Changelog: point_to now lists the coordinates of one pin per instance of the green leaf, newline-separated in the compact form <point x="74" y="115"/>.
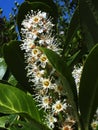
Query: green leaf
<point x="73" y="58"/>
<point x="3" y="68"/>
<point x="3" y="120"/>
<point x="88" y="96"/>
<point x="14" y="58"/>
<point x="73" y="27"/>
<point x="49" y="3"/>
<point x="13" y="100"/>
<point x="66" y="76"/>
<point x="21" y="125"/>
<point x="89" y="21"/>
<point x="12" y="122"/>
<point x="26" y="7"/>
<point x="6" y="121"/>
<point x="12" y="80"/>
<point x="97" y="127"/>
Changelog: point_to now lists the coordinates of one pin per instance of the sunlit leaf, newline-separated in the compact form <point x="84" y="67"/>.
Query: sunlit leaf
<point x="21" y="125"/>
<point x="12" y="80"/>
<point x="3" y="68"/>
<point x="3" y="120"/>
<point x="7" y="120"/>
<point x="13" y="100"/>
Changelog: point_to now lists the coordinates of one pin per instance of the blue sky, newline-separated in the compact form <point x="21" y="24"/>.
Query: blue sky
<point x="7" y="6"/>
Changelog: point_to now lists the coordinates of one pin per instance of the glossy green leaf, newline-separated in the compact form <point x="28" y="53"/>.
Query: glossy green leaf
<point x="89" y="21"/>
<point x="13" y="100"/>
<point x="73" y="27"/>
<point x="7" y="120"/>
<point x="14" y="58"/>
<point x="26" y="7"/>
<point x="66" y="77"/>
<point x="3" y="120"/>
<point x="21" y="125"/>
<point x="12" y="80"/>
<point x="88" y="96"/>
<point x="97" y="127"/>
<point x="72" y="60"/>
<point x="12" y="122"/>
<point x="49" y="3"/>
<point x="3" y="68"/>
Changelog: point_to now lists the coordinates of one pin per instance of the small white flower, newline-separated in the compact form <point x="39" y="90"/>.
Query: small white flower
<point x="46" y="83"/>
<point x="26" y="24"/>
<point x="50" y="120"/>
<point x="28" y="45"/>
<point x="39" y="73"/>
<point x="58" y="88"/>
<point x="36" y="53"/>
<point x="59" y="106"/>
<point x="31" y="68"/>
<point x="66" y="127"/>
<point x="44" y="102"/>
<point x="54" y="46"/>
<point x="42" y="84"/>
<point x="43" y="59"/>
<point x="34" y="32"/>
<point x="94" y="124"/>
<point x="37" y="76"/>
<point x="42" y="15"/>
<point x="35" y="20"/>
<point x="39" y="94"/>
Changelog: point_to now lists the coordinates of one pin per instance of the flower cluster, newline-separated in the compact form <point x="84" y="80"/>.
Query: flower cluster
<point x="76" y="73"/>
<point x="37" y="31"/>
